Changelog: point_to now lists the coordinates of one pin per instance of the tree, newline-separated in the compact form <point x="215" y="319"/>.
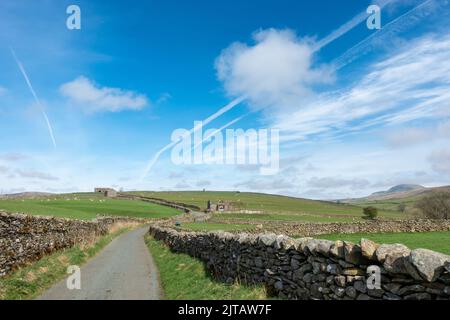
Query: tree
<point x="370" y="212"/>
<point x="435" y="206"/>
<point x="402" y="207"/>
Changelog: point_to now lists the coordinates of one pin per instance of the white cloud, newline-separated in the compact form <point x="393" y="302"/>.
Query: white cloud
<point x="203" y="183"/>
<point x="4" y="169"/>
<point x="163" y="98"/>
<point x="182" y="185"/>
<point x="266" y="184"/>
<point x="337" y="182"/>
<point x="33" y="174"/>
<point x="412" y="84"/>
<point x="176" y="175"/>
<point x="443" y="129"/>
<point x="13" y="157"/>
<point x="440" y="161"/>
<point x="276" y="70"/>
<point x="2" y="90"/>
<point x="94" y="98"/>
<point x="408" y="136"/>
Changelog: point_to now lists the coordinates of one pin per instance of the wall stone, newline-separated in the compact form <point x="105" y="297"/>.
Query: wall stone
<point x="309" y="268"/>
<point x="25" y="239"/>
<point x="163" y="202"/>
<point x="306" y="229"/>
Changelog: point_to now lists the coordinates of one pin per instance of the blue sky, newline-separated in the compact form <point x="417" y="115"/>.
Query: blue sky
<point x="368" y="110"/>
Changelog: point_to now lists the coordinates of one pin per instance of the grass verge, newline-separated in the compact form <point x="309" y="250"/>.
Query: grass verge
<point x="30" y="281"/>
<point x="436" y="241"/>
<point x="184" y="278"/>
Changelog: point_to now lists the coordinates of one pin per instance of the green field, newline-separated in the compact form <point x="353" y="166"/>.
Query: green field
<point x="437" y="241"/>
<point x="269" y="207"/>
<point x="272" y="207"/>
<point x="86" y="207"/>
<point x="185" y="278"/>
<point x="206" y="226"/>
<point x="391" y="204"/>
<point x="285" y="217"/>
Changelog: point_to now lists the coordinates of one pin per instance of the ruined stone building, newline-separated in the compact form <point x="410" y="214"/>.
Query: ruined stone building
<point x="221" y="206"/>
<point x="107" y="192"/>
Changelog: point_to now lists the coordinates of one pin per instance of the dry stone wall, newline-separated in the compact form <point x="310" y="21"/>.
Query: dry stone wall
<point x="25" y="239"/>
<point x="315" y="269"/>
<point x="306" y="229"/>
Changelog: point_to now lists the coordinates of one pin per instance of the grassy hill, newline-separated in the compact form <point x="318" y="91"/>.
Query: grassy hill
<point x="271" y="207"/>
<point x="85" y="206"/>
<point x="268" y="207"/>
<point x="392" y="201"/>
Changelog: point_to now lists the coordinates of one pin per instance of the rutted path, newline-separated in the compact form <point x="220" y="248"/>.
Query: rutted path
<point x="124" y="270"/>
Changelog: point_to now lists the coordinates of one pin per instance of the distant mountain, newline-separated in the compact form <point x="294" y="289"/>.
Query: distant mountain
<point x="399" y="188"/>
<point x="25" y="195"/>
<point x="401" y="193"/>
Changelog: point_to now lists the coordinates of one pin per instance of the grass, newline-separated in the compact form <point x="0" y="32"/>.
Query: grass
<point x="436" y="241"/>
<point x="285" y="217"/>
<point x="391" y="204"/>
<point x="31" y="281"/>
<point x="184" y="278"/>
<point x="206" y="226"/>
<point x="86" y="207"/>
<point x="274" y="207"/>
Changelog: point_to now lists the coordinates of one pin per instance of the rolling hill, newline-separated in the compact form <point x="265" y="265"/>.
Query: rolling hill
<point x="25" y="195"/>
<point x="267" y="206"/>
<point x="391" y="199"/>
<point x="247" y="206"/>
<point x="84" y="206"/>
<point x="397" y="191"/>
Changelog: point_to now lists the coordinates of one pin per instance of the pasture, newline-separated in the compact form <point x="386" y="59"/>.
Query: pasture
<point x="271" y="207"/>
<point x="86" y="207"/>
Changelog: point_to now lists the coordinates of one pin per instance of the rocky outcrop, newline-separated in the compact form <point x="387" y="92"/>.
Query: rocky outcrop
<point x="25" y="239"/>
<point x="309" y="268"/>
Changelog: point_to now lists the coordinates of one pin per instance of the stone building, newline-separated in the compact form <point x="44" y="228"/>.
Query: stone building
<point x="221" y="206"/>
<point x="107" y="192"/>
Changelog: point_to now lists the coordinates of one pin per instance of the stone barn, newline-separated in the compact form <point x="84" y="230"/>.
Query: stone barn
<point x="221" y="206"/>
<point x="107" y="192"/>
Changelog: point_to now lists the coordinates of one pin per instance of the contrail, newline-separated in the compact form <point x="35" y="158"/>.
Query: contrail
<point x="349" y="25"/>
<point x="228" y="107"/>
<point x="220" y="129"/>
<point x="353" y="53"/>
<point x="211" y="118"/>
<point x="36" y="98"/>
<point x="342" y="30"/>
